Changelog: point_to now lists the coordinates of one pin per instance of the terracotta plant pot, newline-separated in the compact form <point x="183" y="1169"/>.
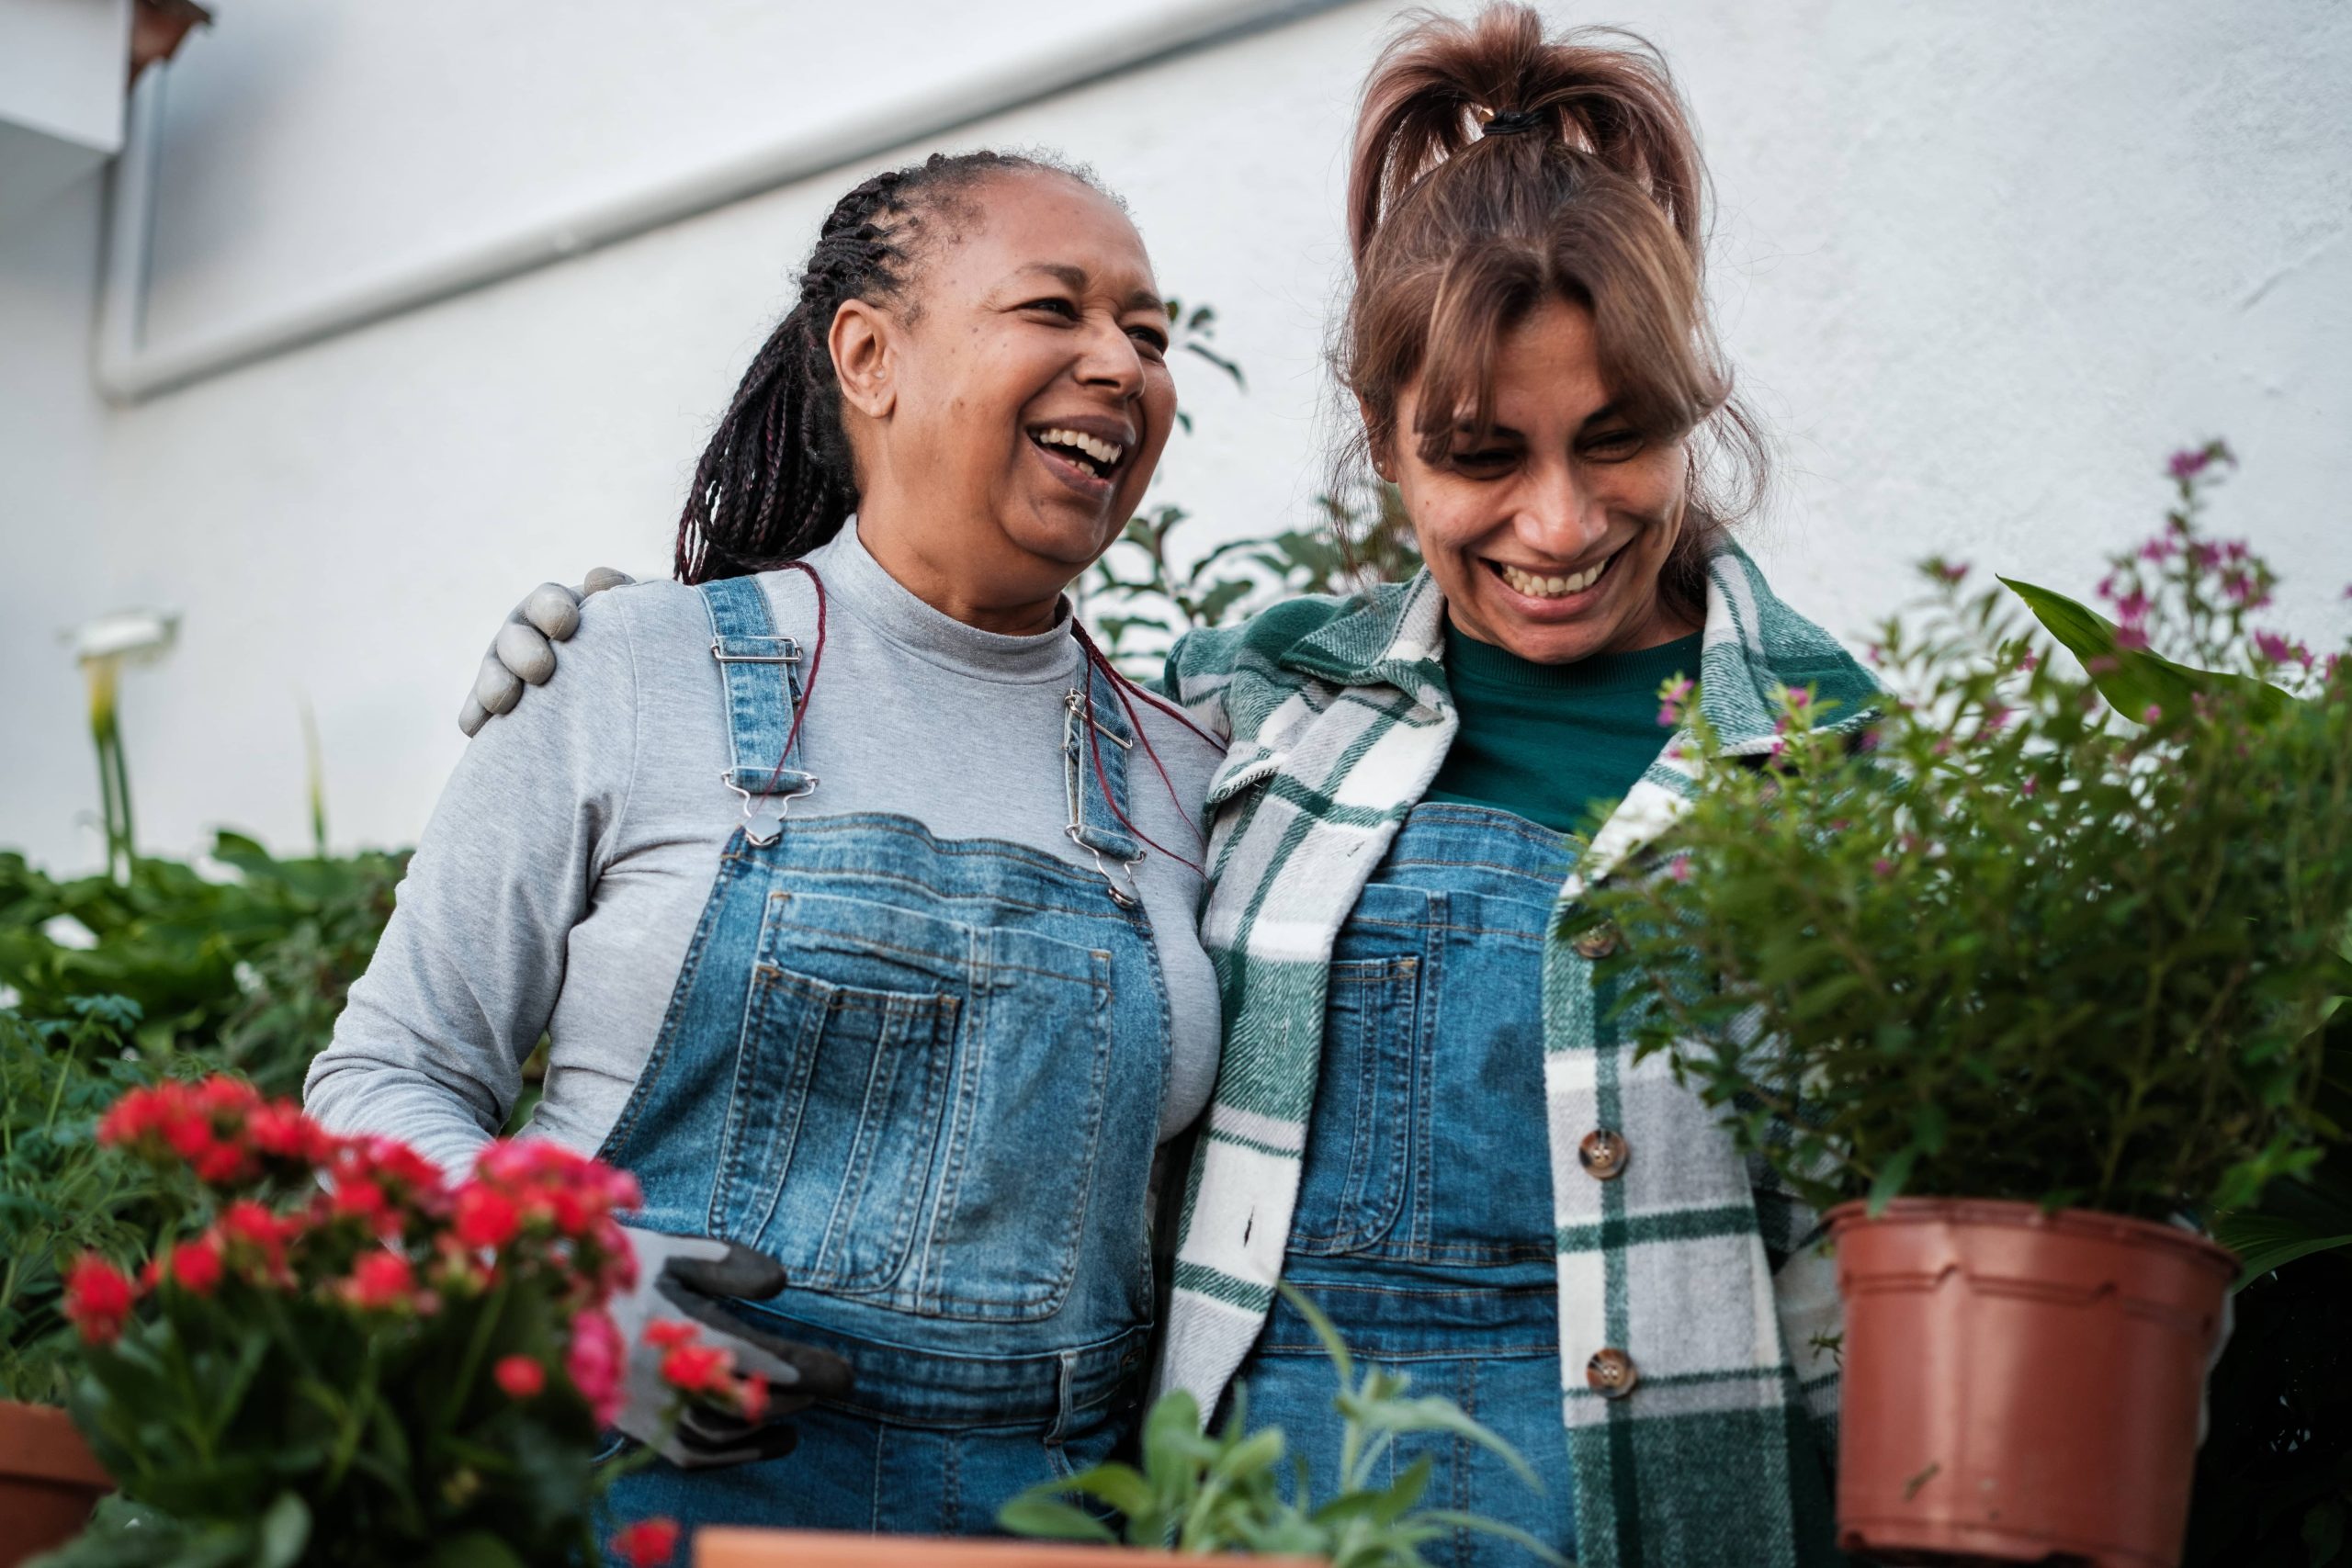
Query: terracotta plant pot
<point x="49" y="1483"/>
<point x="2018" y="1386"/>
<point x="820" y="1549"/>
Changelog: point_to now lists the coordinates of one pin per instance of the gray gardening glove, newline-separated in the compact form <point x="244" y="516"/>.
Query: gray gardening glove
<point x="524" y="647"/>
<point x="692" y="1277"/>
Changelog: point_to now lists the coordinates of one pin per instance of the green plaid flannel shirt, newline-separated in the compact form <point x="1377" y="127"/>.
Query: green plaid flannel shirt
<point x="1691" y="1262"/>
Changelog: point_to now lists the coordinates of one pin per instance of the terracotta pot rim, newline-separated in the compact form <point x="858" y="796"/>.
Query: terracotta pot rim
<point x="2086" y="1225"/>
<point x="39" y="1442"/>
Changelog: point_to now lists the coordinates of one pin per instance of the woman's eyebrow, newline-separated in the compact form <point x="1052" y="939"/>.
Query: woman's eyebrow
<point x="1076" y="278"/>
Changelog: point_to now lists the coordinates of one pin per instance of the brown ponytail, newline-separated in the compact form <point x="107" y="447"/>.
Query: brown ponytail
<point x="1591" y="189"/>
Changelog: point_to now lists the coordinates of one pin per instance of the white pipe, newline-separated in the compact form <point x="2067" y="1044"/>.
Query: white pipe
<point x="128" y="370"/>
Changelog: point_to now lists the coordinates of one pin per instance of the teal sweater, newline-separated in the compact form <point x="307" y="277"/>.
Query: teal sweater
<point x="1550" y="741"/>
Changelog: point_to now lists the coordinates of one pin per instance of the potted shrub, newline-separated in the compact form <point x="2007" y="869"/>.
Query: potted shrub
<point x="333" y="1357"/>
<point x="60" y="1194"/>
<point x="2022" y="983"/>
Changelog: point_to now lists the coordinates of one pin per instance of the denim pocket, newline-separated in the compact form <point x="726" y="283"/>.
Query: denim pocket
<point x="916" y="1108"/>
<point x="839" y="1094"/>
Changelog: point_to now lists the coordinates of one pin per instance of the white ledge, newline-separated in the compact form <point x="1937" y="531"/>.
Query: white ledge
<point x="128" y="370"/>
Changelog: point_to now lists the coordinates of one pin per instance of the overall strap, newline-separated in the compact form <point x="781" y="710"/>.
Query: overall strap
<point x="1094" y="767"/>
<point x="761" y="673"/>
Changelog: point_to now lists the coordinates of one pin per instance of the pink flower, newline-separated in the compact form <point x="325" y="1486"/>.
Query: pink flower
<point x="2277" y="649"/>
<point x="2030" y="662"/>
<point x="2132" y="637"/>
<point x="1950" y="572"/>
<point x="648" y="1543"/>
<point x="1799" y="696"/>
<point x="2160" y="549"/>
<point x="2153" y="714"/>
<point x="1882" y="866"/>
<point x="594" y="1362"/>
<point x="520" y="1376"/>
<point x="1668" y="716"/>
<point x="2186" y="463"/>
<point x="2132" y="606"/>
<point x="97" y="1299"/>
<point x="1680" y="870"/>
<point x="2032" y="786"/>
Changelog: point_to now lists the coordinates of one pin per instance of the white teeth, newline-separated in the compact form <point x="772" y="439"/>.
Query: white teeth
<point x="1106" y="452"/>
<point x="1536" y="587"/>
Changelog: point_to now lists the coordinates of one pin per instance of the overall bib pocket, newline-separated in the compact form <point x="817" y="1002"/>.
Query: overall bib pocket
<point x="916" y="1108"/>
<point x="1353" y="1187"/>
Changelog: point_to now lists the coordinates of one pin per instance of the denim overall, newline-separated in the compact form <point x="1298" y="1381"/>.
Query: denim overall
<point x="925" y="1075"/>
<point x="1424" y="1221"/>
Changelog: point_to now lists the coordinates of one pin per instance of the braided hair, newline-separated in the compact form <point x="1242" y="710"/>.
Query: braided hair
<point x="776" y="479"/>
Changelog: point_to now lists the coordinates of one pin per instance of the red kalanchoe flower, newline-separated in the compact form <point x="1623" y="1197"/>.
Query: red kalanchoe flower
<point x="196" y="1265"/>
<point x="279" y="1130"/>
<point x="752" y="1397"/>
<point x="381" y="1281"/>
<point x="668" y="1334"/>
<point x="594" y="1362"/>
<point x="648" y="1543"/>
<point x="485" y="1217"/>
<point x="698" y="1368"/>
<point x="520" y="1376"/>
<point x="97" y="1299"/>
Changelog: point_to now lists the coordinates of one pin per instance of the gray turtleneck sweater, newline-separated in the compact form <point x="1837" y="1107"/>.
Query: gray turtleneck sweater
<point x="563" y="871"/>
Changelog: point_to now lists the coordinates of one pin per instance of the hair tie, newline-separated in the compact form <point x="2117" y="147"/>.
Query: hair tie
<point x="1510" y="122"/>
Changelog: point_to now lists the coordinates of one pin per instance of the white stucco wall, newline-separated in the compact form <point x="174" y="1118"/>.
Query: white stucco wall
<point x="1980" y="264"/>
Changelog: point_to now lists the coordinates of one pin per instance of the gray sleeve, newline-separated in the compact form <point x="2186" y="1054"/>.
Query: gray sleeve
<point x="430" y="1048"/>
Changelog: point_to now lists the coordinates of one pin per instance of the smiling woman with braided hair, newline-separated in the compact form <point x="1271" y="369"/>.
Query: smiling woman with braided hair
<point x="852" y="890"/>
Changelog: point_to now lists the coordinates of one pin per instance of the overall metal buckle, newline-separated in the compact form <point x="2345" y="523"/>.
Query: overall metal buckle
<point x="727" y="777"/>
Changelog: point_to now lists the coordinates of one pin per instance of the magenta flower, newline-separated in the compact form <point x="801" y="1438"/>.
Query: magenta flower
<point x="1882" y="866"/>
<point x="2160" y="549"/>
<point x="1668" y="716"/>
<point x="2030" y="663"/>
<point x="1948" y="572"/>
<point x="2152" y="713"/>
<point x="2187" y="465"/>
<point x="1680" y="869"/>
<point x="2132" y="636"/>
<point x="2032" y="786"/>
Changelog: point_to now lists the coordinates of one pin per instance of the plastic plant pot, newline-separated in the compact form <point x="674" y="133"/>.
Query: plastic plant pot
<point x="718" y="1548"/>
<point x="2021" y="1386"/>
<point x="48" y="1481"/>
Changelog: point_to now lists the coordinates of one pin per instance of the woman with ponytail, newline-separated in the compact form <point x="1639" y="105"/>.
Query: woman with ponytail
<point x="1430" y="1117"/>
<point x="852" y="891"/>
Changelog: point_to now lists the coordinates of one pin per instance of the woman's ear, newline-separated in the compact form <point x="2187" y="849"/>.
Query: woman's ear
<point x="866" y="361"/>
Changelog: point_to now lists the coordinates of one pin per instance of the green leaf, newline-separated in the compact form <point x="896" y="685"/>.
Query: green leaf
<point x="1333" y="1346"/>
<point x="1892" y="1176"/>
<point x="2133" y="680"/>
<point x="2266" y="1243"/>
<point x="285" y="1531"/>
<point x="1047" y="1518"/>
<point x="1512" y="1533"/>
<point x="475" y="1548"/>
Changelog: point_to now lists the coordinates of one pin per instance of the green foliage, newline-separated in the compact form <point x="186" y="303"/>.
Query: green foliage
<point x="2004" y="942"/>
<point x="247" y="972"/>
<point x="60" y="1194"/>
<point x="1201" y="1494"/>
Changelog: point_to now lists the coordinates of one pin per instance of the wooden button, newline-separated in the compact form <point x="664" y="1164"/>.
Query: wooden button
<point x="1598" y="942"/>
<point x="1611" y="1373"/>
<point x="1603" y="1153"/>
